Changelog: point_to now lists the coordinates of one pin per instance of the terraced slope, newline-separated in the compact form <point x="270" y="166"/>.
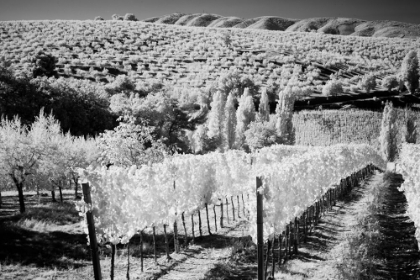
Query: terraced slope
<point x="192" y="57"/>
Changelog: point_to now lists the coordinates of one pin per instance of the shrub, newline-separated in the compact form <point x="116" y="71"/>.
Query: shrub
<point x="332" y="88"/>
<point x="390" y="82"/>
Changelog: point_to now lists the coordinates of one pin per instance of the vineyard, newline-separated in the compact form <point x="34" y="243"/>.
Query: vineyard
<point x="184" y="152"/>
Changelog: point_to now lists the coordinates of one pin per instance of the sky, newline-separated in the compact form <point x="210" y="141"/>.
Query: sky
<point x="398" y="10"/>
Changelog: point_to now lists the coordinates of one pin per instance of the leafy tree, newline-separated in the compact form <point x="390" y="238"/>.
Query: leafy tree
<point x="44" y="65"/>
<point x="368" y="83"/>
<point x="261" y="134"/>
<point x="229" y="123"/>
<point x="245" y="114"/>
<point x="388" y="134"/>
<point x="410" y="128"/>
<point x="284" y="115"/>
<point x="22" y="150"/>
<point x="130" y="144"/>
<point x="117" y="17"/>
<point x="332" y="88"/>
<point x="264" y="107"/>
<point x="130" y="17"/>
<point x="216" y="117"/>
<point x="409" y="72"/>
<point x="390" y="82"/>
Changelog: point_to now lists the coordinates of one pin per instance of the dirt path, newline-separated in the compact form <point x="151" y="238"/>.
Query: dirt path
<point x="195" y="261"/>
<point x="396" y="255"/>
<point x="399" y="246"/>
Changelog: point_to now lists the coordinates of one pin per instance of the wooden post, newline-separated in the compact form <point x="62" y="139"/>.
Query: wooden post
<point x="141" y="251"/>
<point x="166" y="243"/>
<point x="192" y="228"/>
<point x="113" y="249"/>
<point x="267" y="256"/>
<point x="239" y="212"/>
<point x="199" y="223"/>
<point x="260" y="236"/>
<point x="227" y="210"/>
<point x="243" y="205"/>
<point x="92" y="234"/>
<point x="215" y="217"/>
<point x="176" y="241"/>
<point x="280" y="242"/>
<point x="233" y="208"/>
<point x="296" y="235"/>
<point x="185" y="230"/>
<point x="154" y="244"/>
<point x="273" y="260"/>
<point x="208" y="220"/>
<point x="221" y="213"/>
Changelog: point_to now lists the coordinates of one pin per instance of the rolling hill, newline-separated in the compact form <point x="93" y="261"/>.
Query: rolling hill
<point x="335" y="26"/>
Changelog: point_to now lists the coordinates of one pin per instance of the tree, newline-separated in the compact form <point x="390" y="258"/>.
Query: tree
<point x="264" y="107"/>
<point x="130" y="17"/>
<point x="388" y="134"/>
<point x="216" y="117"/>
<point x="99" y="18"/>
<point x="261" y="134"/>
<point x="245" y="114"/>
<point x="409" y="72"/>
<point x="284" y="115"/>
<point x="332" y="88"/>
<point x="117" y="17"/>
<point x="229" y="123"/>
<point x="368" y="83"/>
<point x="410" y="128"/>
<point x="390" y="82"/>
<point x="130" y="144"/>
<point x="22" y="150"/>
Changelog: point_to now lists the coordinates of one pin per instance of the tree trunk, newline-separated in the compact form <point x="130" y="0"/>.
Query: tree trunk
<point x="60" y="188"/>
<point x="53" y="196"/>
<point x="0" y="198"/>
<point x="19" y="186"/>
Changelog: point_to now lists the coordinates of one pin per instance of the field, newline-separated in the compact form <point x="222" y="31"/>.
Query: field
<point x="174" y="127"/>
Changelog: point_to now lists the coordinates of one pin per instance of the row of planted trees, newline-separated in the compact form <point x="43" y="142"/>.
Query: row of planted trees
<point x="41" y="154"/>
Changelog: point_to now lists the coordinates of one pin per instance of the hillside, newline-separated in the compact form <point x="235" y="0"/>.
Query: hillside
<point x="324" y="25"/>
<point x="194" y="57"/>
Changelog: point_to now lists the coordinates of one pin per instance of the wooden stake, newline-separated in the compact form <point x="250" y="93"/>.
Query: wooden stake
<point x="260" y="231"/>
<point x="233" y="208"/>
<point x="192" y="228"/>
<point x="227" y="210"/>
<point x="239" y="215"/>
<point x="154" y="244"/>
<point x="141" y="251"/>
<point x="208" y="220"/>
<point x="128" y="261"/>
<point x="113" y="260"/>
<point x="166" y="243"/>
<point x="92" y="234"/>
<point x="215" y="217"/>
<point x="176" y="241"/>
<point x="199" y="223"/>
<point x="221" y="213"/>
<point x="267" y="256"/>
<point x="185" y="230"/>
